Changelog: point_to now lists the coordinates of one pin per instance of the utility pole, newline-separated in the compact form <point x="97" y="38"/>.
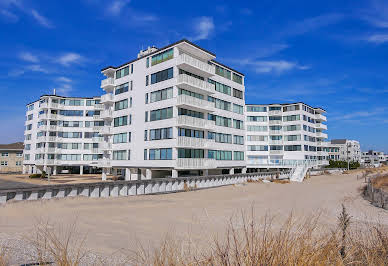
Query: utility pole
<point x="347" y="153"/>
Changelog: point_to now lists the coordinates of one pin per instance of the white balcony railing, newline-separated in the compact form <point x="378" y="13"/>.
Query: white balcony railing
<point x="195" y="163"/>
<point x="274" y="112"/>
<point x="185" y="59"/>
<point x="275" y="122"/>
<point x="191" y="142"/>
<point x="106" y="131"/>
<point x="107" y="98"/>
<point x="195" y="83"/>
<point x="320" y="117"/>
<point x="106" y="146"/>
<point x="99" y="106"/>
<point x="321" y="126"/>
<point x="276" y="132"/>
<point x="276" y="151"/>
<point x="193" y="101"/>
<point x="185" y="120"/>
<point x="275" y="141"/>
<point x="106" y="114"/>
<point x="107" y="83"/>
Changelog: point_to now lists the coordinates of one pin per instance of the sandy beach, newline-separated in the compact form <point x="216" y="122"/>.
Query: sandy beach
<point x="112" y="224"/>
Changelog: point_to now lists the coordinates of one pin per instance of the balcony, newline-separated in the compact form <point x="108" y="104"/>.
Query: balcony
<point x="104" y="163"/>
<point x="99" y="106"/>
<point x="97" y="139"/>
<point x="106" y="146"/>
<point x="274" y="112"/>
<point x="44" y="105"/>
<point x="321" y="126"/>
<point x="275" y="122"/>
<point x="194" y="84"/>
<point x="53" y="127"/>
<point x="106" y="131"/>
<point x="321" y="135"/>
<point x="97" y="117"/>
<point x="276" y="152"/>
<point x="53" y="116"/>
<point x="320" y="117"/>
<point x="52" y="138"/>
<point x="107" y="98"/>
<point x="188" y="142"/>
<point x="97" y="128"/>
<point x="275" y="132"/>
<point x="195" y="163"/>
<point x="195" y="103"/>
<point x="107" y="114"/>
<point x="108" y="84"/>
<point x="193" y="122"/>
<point x="195" y="66"/>
<point x="276" y="141"/>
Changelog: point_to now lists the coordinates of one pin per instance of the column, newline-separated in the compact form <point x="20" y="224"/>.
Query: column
<point x="30" y="169"/>
<point x="231" y="171"/>
<point x="244" y="170"/>
<point x="205" y="172"/>
<point x="45" y="168"/>
<point x="174" y="173"/>
<point x="148" y="174"/>
<point x="81" y="170"/>
<point x="103" y="177"/>
<point x="24" y="169"/>
<point x="55" y="170"/>
<point x="134" y="173"/>
<point x="127" y="174"/>
<point x="142" y="174"/>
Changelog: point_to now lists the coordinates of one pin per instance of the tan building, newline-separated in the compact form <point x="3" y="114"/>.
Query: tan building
<point x="11" y="157"/>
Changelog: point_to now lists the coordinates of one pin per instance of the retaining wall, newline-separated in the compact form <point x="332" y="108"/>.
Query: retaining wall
<point x="131" y="188"/>
<point x="315" y="172"/>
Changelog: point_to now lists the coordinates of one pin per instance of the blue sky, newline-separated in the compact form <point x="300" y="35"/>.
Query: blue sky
<point x="331" y="54"/>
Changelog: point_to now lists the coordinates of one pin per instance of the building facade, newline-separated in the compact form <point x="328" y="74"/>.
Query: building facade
<point x="279" y="135"/>
<point x="346" y="150"/>
<point x="373" y="158"/>
<point x="62" y="135"/>
<point x="11" y="157"/>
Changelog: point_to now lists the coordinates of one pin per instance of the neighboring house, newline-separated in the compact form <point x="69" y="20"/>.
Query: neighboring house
<point x="345" y="149"/>
<point x="11" y="157"/>
<point x="373" y="158"/>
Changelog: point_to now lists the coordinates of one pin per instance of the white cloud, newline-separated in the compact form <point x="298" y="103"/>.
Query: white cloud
<point x="26" y="56"/>
<point x="9" y="16"/>
<point x="37" y="68"/>
<point x="64" y="79"/>
<point x="41" y="19"/>
<point x="64" y="90"/>
<point x="116" y="7"/>
<point x="376" y="14"/>
<point x="378" y="38"/>
<point x="272" y="66"/>
<point x="204" y="27"/>
<point x="69" y="58"/>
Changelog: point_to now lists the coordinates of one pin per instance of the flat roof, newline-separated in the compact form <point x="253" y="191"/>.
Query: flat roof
<point x="286" y="104"/>
<point x="171" y="45"/>
<point x="69" y="97"/>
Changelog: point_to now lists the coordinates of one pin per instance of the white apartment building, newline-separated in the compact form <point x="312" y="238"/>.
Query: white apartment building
<point x="173" y="111"/>
<point x="280" y="135"/>
<point x="62" y="135"/>
<point x="345" y="150"/>
<point x="373" y="158"/>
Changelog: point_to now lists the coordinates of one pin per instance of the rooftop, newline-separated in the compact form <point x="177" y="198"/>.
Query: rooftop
<point x="12" y="146"/>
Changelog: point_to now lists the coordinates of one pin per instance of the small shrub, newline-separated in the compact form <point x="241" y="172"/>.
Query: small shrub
<point x="281" y="181"/>
<point x="35" y="176"/>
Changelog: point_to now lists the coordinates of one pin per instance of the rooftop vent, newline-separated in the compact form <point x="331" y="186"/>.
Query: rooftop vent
<point x="147" y="51"/>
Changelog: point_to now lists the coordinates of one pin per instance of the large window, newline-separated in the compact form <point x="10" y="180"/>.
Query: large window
<point x="257" y="128"/>
<point x="73" y="102"/>
<point x="160" y="154"/>
<point x="237" y="78"/>
<point x="257" y="138"/>
<point x="190" y="93"/>
<point x="161" y="95"/>
<point x="222" y="121"/>
<point x="122" y="72"/>
<point x="292" y="148"/>
<point x="182" y="111"/>
<point x="291" y="108"/>
<point x="238" y="156"/>
<point x="121" y="88"/>
<point x="92" y="157"/>
<point x="257" y="148"/>
<point x="221" y="87"/>
<point x="69" y="157"/>
<point x="186" y="132"/>
<point x="120" y="138"/>
<point x="292" y="128"/>
<point x="238" y="140"/>
<point x="161" y="114"/>
<point x="71" y="112"/>
<point x="76" y="135"/>
<point x="191" y="153"/>
<point x="256" y="118"/>
<point x="238" y="109"/>
<point x="164" y="56"/>
<point x="120" y="155"/>
<point x="121" y="105"/>
<point x="223" y="72"/>
<point x="220" y="155"/>
<point x="70" y="123"/>
<point x="251" y="108"/>
<point x="121" y="121"/>
<point x="70" y="146"/>
<point x="291" y="118"/>
<point x="162" y="75"/>
<point x="238" y="124"/>
<point x="161" y="133"/>
<point x="223" y="138"/>
<point x="223" y="105"/>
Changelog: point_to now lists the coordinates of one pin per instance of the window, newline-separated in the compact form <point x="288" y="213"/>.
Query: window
<point x="88" y="135"/>
<point x="92" y="157"/>
<point x="257" y="128"/>
<point x="161" y="114"/>
<point x="256" y="118"/>
<point x="221" y="121"/>
<point x="251" y="108"/>
<point x="186" y="132"/>
<point x="292" y="148"/>
<point x="237" y="79"/>
<point x="220" y="155"/>
<point x="29" y="117"/>
<point x="221" y="87"/>
<point x="223" y="105"/>
<point x="120" y="138"/>
<point x="145" y="154"/>
<point x="122" y="72"/>
<point x="160" y="154"/>
<point x="4" y="163"/>
<point x="147" y="62"/>
<point x="120" y="121"/>
<point x="257" y="148"/>
<point x="238" y="156"/>
<point x="18" y="163"/>
<point x="161" y="57"/>
<point x="26" y="157"/>
<point x="190" y="93"/>
<point x="146" y="98"/>
<point x="28" y="137"/>
<point x="276" y="148"/>
<point x="70" y="102"/>
<point x="145" y="135"/>
<point x="292" y="128"/>
<point x="146" y="116"/>
<point x="238" y="109"/>
<point x="291" y="108"/>
<point x="223" y="72"/>
<point x="71" y="123"/>
<point x="19" y="154"/>
<point x="238" y="124"/>
<point x="71" y="112"/>
<point x="5" y="154"/>
<point x="161" y="133"/>
<point x="92" y="113"/>
<point x="257" y="138"/>
<point x="291" y="118"/>
<point x="121" y="89"/>
<point x="191" y="153"/>
<point x="223" y="138"/>
<point x="147" y="80"/>
<point x="121" y="105"/>
<point x="182" y="111"/>
<point x="292" y="137"/>
<point x="238" y="140"/>
<point x="69" y="157"/>
<point x="162" y="75"/>
<point x="75" y="135"/>
<point x="161" y="95"/>
<point x="120" y="155"/>
<point x="29" y="127"/>
<point x="183" y="72"/>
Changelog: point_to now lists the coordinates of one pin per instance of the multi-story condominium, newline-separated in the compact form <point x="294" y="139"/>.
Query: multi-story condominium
<point x="62" y="135"/>
<point x="11" y="157"/>
<point x="373" y="158"/>
<point x="345" y="150"/>
<point x="280" y="135"/>
<point x="173" y="111"/>
<point x="333" y="151"/>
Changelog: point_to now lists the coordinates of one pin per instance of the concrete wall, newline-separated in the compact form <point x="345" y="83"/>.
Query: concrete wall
<point x="131" y="188"/>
